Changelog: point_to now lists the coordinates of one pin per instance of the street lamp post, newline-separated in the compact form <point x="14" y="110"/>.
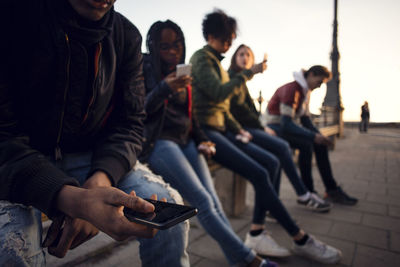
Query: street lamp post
<point x="332" y="101"/>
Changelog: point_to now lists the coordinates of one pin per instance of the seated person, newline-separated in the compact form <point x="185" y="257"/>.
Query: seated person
<point x="175" y="144"/>
<point x="243" y="110"/>
<point x="291" y="101"/>
<point x="71" y="119"/>
<point x="212" y="90"/>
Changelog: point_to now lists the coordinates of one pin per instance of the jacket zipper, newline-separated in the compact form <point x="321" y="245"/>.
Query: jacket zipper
<point x="96" y="73"/>
<point x="58" y="155"/>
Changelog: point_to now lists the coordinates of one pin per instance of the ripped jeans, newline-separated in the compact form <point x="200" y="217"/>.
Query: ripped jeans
<point x="21" y="228"/>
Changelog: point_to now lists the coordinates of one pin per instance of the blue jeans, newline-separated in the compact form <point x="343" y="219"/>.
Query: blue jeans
<point x="306" y="148"/>
<point x="186" y="170"/>
<point x="281" y="149"/>
<point x="20" y="226"/>
<point x="258" y="166"/>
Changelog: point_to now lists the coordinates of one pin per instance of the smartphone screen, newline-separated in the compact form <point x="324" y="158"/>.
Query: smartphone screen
<point x="164" y="216"/>
<point x="183" y="69"/>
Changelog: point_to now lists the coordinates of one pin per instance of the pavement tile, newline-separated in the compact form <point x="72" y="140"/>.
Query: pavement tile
<point x="361" y="234"/>
<point x="340" y="213"/>
<point x="368" y="207"/>
<point x="395" y="241"/>
<point x="368" y="177"/>
<point x="393" y="180"/>
<point x="196" y="231"/>
<point x="209" y="263"/>
<point x="123" y="256"/>
<point x="394" y="211"/>
<point x="395" y="192"/>
<point x="314" y="225"/>
<point x="207" y="247"/>
<point x="239" y="223"/>
<point x="391" y="200"/>
<point x="367" y="256"/>
<point x="382" y="222"/>
<point x="293" y="260"/>
<point x="393" y="173"/>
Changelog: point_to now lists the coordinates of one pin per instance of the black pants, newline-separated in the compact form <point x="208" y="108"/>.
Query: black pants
<point x="260" y="168"/>
<point x="306" y="148"/>
<point x="364" y="125"/>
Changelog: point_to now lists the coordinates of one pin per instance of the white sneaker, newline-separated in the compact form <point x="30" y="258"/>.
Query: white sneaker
<point x="263" y="244"/>
<point x="318" y="251"/>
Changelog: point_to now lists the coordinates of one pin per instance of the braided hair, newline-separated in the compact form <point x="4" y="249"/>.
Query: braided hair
<point x="153" y="40"/>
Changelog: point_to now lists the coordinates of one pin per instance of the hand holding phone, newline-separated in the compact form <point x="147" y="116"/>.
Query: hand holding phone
<point x="183" y="70"/>
<point x="177" y="84"/>
<point x="165" y="214"/>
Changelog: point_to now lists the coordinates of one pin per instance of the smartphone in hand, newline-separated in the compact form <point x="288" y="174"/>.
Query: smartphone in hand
<point x="165" y="214"/>
<point x="183" y="69"/>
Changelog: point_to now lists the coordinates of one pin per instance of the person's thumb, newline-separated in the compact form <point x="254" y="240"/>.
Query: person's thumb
<point x="54" y="231"/>
<point x="133" y="202"/>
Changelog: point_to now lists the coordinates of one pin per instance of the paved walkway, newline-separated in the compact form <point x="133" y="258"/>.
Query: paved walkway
<point x="367" y="166"/>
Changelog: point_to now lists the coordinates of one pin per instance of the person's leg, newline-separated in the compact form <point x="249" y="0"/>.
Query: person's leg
<point x="199" y="165"/>
<point x="334" y="193"/>
<point x="20" y="236"/>
<point x="324" y="167"/>
<point x="268" y="160"/>
<point x="364" y="125"/>
<point x="168" y="160"/>
<point x="168" y="247"/>
<point x="281" y="149"/>
<point x="253" y="171"/>
<point x="266" y="198"/>
<point x="305" y="158"/>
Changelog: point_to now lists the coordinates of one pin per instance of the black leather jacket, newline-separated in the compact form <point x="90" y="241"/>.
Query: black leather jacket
<point x="49" y="106"/>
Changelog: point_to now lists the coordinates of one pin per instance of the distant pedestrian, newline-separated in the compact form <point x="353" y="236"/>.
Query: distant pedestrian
<point x="364" y="117"/>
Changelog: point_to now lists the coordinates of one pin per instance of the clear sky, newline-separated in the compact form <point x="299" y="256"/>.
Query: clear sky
<point x="298" y="34"/>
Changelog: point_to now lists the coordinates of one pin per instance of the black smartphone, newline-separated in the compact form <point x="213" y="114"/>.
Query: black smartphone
<point x="164" y="216"/>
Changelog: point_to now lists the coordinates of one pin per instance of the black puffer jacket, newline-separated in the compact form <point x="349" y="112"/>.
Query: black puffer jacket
<point x="48" y="103"/>
<point x="156" y="107"/>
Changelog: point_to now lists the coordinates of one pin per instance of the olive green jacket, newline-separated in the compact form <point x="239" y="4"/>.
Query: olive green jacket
<point x="243" y="109"/>
<point x="213" y="89"/>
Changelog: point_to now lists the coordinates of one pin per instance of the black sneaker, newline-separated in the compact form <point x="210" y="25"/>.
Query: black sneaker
<point x="315" y="203"/>
<point x="339" y="196"/>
